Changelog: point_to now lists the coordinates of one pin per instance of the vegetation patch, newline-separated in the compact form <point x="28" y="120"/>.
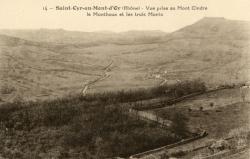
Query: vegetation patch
<point x="83" y="127"/>
<point x="172" y="91"/>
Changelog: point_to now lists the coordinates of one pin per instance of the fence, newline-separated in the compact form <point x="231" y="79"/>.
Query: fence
<point x="170" y="102"/>
<point x="139" y="155"/>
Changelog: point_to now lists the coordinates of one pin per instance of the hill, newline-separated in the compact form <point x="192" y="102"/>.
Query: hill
<point x="61" y="36"/>
<point x="45" y="63"/>
<point x="210" y="27"/>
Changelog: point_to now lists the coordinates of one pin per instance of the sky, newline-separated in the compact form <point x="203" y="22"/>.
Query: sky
<point x="28" y="14"/>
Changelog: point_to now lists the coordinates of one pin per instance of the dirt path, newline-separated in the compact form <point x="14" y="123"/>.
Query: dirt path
<point x="164" y="81"/>
<point x="105" y="75"/>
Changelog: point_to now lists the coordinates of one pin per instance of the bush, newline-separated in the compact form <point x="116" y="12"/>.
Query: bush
<point x="211" y="104"/>
<point x="201" y="108"/>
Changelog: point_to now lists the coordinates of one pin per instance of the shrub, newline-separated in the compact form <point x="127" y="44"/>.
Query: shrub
<point x="211" y="104"/>
<point x="201" y="108"/>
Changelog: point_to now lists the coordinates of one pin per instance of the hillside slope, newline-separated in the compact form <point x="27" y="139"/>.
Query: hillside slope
<point x="213" y="49"/>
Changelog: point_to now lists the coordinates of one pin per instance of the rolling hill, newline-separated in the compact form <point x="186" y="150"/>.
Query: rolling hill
<point x="61" y="36"/>
<point x="37" y="64"/>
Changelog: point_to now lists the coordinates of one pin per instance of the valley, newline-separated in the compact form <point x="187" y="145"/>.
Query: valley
<point x="137" y="56"/>
<point x="94" y="95"/>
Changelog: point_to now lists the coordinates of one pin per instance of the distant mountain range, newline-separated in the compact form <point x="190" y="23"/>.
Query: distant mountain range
<point x="206" y="27"/>
<point x="61" y="36"/>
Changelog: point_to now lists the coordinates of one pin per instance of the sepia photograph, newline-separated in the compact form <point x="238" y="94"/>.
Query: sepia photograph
<point x="92" y="79"/>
